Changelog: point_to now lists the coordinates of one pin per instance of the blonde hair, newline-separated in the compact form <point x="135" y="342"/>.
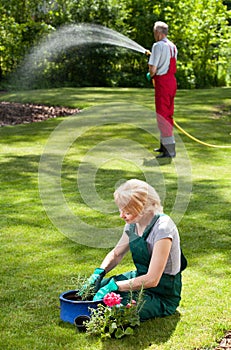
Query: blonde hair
<point x="161" y="27"/>
<point x="137" y="197"/>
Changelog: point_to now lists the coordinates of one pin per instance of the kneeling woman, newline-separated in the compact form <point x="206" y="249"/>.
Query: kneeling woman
<point x="153" y="239"/>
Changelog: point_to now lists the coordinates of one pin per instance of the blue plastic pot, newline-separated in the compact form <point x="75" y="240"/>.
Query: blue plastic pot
<point x="70" y="307"/>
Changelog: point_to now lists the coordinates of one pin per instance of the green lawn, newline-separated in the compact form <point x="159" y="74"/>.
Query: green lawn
<point x="57" y="180"/>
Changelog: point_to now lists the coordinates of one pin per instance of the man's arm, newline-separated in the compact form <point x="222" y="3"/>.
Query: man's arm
<point x="152" y="70"/>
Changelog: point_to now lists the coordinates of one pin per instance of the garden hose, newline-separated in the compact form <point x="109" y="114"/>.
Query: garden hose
<point x="195" y="139"/>
<point x="148" y="53"/>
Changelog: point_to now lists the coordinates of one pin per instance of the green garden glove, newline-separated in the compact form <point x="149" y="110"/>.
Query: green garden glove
<point x="148" y="76"/>
<point x="93" y="281"/>
<point x="110" y="287"/>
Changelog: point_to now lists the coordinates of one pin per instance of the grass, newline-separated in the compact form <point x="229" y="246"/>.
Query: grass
<point x="39" y="258"/>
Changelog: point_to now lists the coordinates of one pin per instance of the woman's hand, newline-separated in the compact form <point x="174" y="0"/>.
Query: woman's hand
<point x="110" y="287"/>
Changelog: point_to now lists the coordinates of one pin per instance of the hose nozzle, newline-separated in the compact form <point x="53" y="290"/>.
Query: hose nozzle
<point x="147" y="53"/>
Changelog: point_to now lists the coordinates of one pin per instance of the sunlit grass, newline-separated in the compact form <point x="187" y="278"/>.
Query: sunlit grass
<point x="38" y="262"/>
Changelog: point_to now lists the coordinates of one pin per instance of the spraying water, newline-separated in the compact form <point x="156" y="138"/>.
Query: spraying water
<point x="70" y="36"/>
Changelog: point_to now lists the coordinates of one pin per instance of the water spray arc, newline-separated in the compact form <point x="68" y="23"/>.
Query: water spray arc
<point x="75" y="35"/>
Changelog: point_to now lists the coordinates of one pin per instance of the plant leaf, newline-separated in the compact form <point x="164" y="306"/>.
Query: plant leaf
<point x="119" y="333"/>
<point x="129" y="331"/>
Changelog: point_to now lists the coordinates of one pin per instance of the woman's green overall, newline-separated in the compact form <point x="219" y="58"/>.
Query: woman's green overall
<point x="161" y="300"/>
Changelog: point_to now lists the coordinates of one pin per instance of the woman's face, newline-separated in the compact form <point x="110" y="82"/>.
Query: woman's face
<point x="128" y="217"/>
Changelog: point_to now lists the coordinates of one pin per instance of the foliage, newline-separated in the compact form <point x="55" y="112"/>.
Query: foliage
<point x="199" y="29"/>
<point x="115" y="319"/>
<point x="17" y="36"/>
<point x="201" y="34"/>
<point x="81" y="284"/>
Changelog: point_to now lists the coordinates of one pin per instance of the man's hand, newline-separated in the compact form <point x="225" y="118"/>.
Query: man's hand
<point x="148" y="76"/>
<point x="147" y="53"/>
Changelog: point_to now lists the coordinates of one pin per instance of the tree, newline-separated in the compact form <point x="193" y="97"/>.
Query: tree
<point x="199" y="28"/>
<point x="22" y="24"/>
<point x="201" y="33"/>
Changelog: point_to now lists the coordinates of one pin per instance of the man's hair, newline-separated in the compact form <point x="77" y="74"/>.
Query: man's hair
<point x="161" y="27"/>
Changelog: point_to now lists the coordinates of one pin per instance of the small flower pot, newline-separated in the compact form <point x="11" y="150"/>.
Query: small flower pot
<point x="71" y="306"/>
<point x="79" y="322"/>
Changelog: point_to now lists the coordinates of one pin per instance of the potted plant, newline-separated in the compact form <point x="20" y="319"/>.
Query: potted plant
<point x="73" y="305"/>
<point x="111" y="319"/>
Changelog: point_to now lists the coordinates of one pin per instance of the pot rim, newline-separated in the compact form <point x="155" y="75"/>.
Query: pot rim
<point x="63" y="296"/>
<point x="86" y="317"/>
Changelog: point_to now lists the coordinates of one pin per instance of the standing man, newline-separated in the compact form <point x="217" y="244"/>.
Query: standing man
<point x="162" y="69"/>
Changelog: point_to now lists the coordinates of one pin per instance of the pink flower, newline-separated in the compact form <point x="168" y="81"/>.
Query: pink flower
<point x="132" y="303"/>
<point x="112" y="299"/>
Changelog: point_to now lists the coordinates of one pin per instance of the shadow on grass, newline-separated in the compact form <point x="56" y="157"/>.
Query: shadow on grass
<point x="157" y="161"/>
<point x="79" y="97"/>
<point x="155" y="331"/>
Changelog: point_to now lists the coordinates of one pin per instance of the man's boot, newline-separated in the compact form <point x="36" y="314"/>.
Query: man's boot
<point x="168" y="152"/>
<point x="160" y="149"/>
